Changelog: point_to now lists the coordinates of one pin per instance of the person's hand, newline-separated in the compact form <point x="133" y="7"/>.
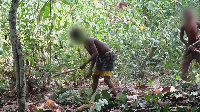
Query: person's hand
<point x="83" y="66"/>
<point x="192" y="48"/>
<point x="89" y="73"/>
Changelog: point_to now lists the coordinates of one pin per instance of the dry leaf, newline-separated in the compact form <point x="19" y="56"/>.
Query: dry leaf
<point x="52" y="104"/>
<point x="32" y="108"/>
<point x="147" y="49"/>
<point x="85" y="105"/>
<point x="157" y="91"/>
<point x="166" y="89"/>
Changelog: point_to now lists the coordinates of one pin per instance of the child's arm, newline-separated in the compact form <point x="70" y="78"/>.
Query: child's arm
<point x="94" y="54"/>
<point x="89" y="73"/>
<point x="181" y="36"/>
<point x="92" y="64"/>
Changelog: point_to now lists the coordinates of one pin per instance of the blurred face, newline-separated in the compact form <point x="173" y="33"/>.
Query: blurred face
<point x="78" y="36"/>
<point x="79" y="39"/>
<point x="188" y="15"/>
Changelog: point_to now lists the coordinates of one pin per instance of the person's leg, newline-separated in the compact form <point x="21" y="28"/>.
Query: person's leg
<point x="110" y="85"/>
<point x="95" y="83"/>
<point x="186" y="60"/>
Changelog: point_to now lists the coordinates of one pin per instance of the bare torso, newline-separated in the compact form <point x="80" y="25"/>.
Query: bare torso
<point x="101" y="46"/>
<point x="192" y="32"/>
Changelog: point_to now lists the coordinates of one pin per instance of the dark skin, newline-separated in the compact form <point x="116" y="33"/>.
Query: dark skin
<point x="191" y="27"/>
<point x="95" y="48"/>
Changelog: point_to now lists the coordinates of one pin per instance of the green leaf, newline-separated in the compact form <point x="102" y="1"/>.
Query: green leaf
<point x="89" y="92"/>
<point x="105" y="101"/>
<point x="97" y="106"/>
<point x="1" y="51"/>
<point x="98" y="96"/>
<point x="91" y="109"/>
<point x="93" y="97"/>
<point x="84" y="60"/>
<point x="66" y="2"/>
<point x="166" y="108"/>
<point x="194" y="109"/>
<point x="159" y="95"/>
<point x="40" y="110"/>
<point x="62" y="89"/>
<point x="147" y="97"/>
<point x="177" y="77"/>
<point x="45" y="9"/>
<point x="182" y="109"/>
<point x="123" y="97"/>
<point x="105" y="94"/>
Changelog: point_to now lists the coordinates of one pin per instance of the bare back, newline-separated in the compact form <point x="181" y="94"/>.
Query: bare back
<point x="100" y="46"/>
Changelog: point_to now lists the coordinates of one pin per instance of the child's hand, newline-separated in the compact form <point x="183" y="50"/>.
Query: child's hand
<point x="192" y="48"/>
<point x="89" y="73"/>
<point x="83" y="66"/>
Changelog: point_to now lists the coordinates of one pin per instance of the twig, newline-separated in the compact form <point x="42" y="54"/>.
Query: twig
<point x="70" y="70"/>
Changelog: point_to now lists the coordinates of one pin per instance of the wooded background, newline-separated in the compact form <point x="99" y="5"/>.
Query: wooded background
<point x="144" y="34"/>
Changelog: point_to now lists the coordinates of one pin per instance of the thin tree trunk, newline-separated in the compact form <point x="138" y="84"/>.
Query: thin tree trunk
<point x="18" y="58"/>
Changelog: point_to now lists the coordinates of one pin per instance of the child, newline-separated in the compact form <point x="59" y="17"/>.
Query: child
<point x="100" y="54"/>
<point x="190" y="26"/>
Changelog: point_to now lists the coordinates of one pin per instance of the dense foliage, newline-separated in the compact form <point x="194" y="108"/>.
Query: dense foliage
<point x="144" y="34"/>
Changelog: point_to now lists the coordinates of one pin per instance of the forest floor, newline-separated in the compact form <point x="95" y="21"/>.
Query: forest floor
<point x="184" y="96"/>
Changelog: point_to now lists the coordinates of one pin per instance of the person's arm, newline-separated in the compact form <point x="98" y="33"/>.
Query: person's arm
<point x="89" y="73"/>
<point x="92" y="64"/>
<point x="94" y="54"/>
<point x="94" y="51"/>
<point x="181" y="36"/>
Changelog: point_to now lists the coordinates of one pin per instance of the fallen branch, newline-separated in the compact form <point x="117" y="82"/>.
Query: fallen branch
<point x="68" y="71"/>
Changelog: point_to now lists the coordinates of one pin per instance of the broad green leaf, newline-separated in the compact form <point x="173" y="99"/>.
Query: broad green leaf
<point x="93" y="97"/>
<point x="40" y="110"/>
<point x="89" y="92"/>
<point x="105" y="94"/>
<point x="147" y="97"/>
<point x="166" y="107"/>
<point x="123" y="96"/>
<point x="91" y="109"/>
<point x="97" y="106"/>
<point x="66" y="2"/>
<point x="45" y="9"/>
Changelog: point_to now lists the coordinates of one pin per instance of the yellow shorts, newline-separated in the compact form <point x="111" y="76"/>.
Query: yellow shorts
<point x="102" y="73"/>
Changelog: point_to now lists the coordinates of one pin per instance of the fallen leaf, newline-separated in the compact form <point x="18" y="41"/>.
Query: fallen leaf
<point x="157" y="91"/>
<point x="32" y="108"/>
<point x="85" y="105"/>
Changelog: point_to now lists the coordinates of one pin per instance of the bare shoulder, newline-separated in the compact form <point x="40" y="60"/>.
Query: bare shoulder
<point x="91" y="40"/>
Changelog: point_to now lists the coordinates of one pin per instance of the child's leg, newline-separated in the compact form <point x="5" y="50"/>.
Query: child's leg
<point x="95" y="83"/>
<point x="186" y="60"/>
<point x="110" y="85"/>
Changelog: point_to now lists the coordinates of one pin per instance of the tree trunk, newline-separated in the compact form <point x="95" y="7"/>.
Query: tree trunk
<point x="18" y="58"/>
